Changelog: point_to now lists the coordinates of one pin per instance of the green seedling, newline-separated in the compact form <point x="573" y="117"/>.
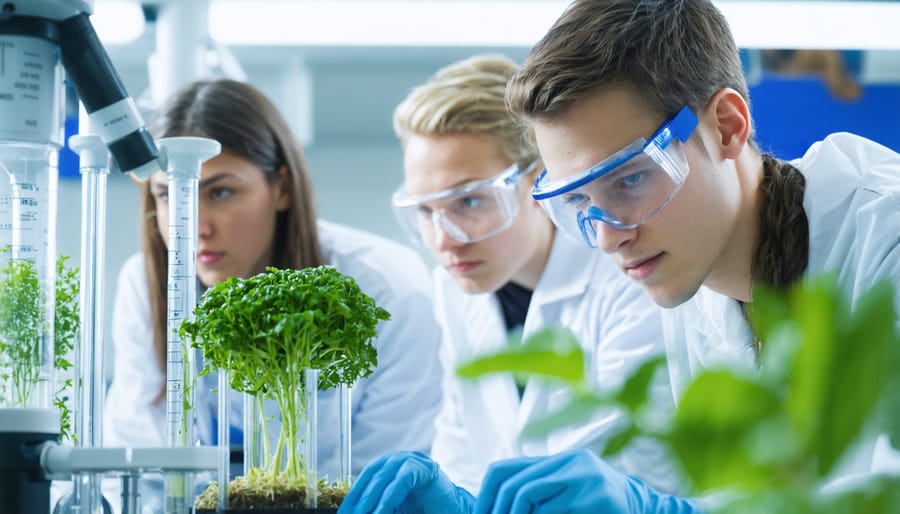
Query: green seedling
<point x="23" y="322"/>
<point x="268" y="329"/>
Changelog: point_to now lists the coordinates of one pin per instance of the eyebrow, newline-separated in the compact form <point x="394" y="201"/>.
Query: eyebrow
<point x="204" y="184"/>
<point x="465" y="181"/>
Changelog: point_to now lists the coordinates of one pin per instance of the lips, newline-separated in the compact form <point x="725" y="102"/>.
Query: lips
<point x="462" y="267"/>
<point x="209" y="258"/>
<point x="640" y="269"/>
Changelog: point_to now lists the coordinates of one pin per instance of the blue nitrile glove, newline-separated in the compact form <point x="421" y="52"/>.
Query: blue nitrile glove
<point x="408" y="483"/>
<point x="575" y="482"/>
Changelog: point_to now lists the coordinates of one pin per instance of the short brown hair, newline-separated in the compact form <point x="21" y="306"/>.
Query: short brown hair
<point x="671" y="52"/>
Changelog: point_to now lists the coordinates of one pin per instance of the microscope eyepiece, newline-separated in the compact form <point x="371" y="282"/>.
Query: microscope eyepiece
<point x="113" y="114"/>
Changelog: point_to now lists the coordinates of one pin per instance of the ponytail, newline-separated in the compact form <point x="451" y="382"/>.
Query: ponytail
<point x="783" y="251"/>
<point x="782" y="254"/>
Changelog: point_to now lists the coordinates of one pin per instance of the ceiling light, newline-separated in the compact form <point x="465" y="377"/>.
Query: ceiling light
<point x="814" y="25"/>
<point x="382" y="23"/>
<point x="755" y="24"/>
<point x="117" y="22"/>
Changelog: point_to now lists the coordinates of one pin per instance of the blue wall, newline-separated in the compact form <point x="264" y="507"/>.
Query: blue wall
<point x="793" y="112"/>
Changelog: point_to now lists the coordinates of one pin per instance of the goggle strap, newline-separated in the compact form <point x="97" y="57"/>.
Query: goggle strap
<point x="683" y="124"/>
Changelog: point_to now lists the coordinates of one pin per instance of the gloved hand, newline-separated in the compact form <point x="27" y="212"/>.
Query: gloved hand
<point x="575" y="482"/>
<point x="405" y="482"/>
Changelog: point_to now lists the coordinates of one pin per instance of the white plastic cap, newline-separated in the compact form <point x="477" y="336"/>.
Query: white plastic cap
<point x="183" y="156"/>
<point x="91" y="150"/>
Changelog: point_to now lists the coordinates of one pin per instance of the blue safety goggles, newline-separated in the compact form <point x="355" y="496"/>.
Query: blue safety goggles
<point x="623" y="190"/>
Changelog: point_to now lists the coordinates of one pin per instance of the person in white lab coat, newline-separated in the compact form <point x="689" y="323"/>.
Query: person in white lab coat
<point x="256" y="209"/>
<point x="642" y="117"/>
<point x="502" y="267"/>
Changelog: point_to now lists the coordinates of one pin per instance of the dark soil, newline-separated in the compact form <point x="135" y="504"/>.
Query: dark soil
<point x="280" y="500"/>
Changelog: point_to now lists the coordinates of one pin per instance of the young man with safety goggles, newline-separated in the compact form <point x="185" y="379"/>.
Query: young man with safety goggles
<point x="503" y="267"/>
<point x="641" y="113"/>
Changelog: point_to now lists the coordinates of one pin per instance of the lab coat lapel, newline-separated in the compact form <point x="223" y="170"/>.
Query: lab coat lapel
<point x="565" y="277"/>
<point x="499" y="394"/>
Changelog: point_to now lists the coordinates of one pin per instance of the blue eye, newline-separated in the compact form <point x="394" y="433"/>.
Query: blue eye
<point x="221" y="193"/>
<point x="471" y="202"/>
<point x="471" y="205"/>
<point x="575" y="199"/>
<point x="633" y="180"/>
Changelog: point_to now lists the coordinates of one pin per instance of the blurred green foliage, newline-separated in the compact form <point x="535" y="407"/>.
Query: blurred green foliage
<point x="23" y="323"/>
<point x="828" y="379"/>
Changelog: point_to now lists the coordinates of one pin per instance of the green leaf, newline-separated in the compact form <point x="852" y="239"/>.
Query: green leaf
<point x="877" y="495"/>
<point x="774" y="442"/>
<point x="616" y="443"/>
<point x="777" y="500"/>
<point x="711" y="425"/>
<point x="889" y="407"/>
<point x="779" y="353"/>
<point x="580" y="409"/>
<point x="635" y="392"/>
<point x="552" y="352"/>
<point x="813" y="368"/>
<point x="767" y="311"/>
<point x="858" y="374"/>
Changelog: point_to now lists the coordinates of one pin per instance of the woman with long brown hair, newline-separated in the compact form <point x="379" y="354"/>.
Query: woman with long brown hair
<point x="256" y="209"/>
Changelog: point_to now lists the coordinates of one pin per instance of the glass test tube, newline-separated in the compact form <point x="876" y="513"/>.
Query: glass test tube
<point x="224" y="438"/>
<point x="28" y="277"/>
<point x="310" y="439"/>
<point x="90" y="385"/>
<point x="344" y="451"/>
<point x="183" y="157"/>
<point x="256" y="436"/>
<point x="31" y="133"/>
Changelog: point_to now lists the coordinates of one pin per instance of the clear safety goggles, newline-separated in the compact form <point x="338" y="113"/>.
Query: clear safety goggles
<point x="623" y="190"/>
<point x="471" y="213"/>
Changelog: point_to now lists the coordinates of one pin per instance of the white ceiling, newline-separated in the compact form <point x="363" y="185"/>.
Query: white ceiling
<point x="351" y="91"/>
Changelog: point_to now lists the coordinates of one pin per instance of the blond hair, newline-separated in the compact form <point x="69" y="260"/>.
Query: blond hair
<point x="467" y="97"/>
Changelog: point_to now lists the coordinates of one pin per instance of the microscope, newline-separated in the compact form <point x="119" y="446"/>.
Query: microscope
<point x="42" y="44"/>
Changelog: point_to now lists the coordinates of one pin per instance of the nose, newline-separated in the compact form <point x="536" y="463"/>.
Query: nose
<point x="204" y="225"/>
<point x="443" y="241"/>
<point x="611" y="239"/>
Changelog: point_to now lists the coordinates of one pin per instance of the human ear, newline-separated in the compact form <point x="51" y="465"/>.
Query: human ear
<point x="282" y="193"/>
<point x="732" y="121"/>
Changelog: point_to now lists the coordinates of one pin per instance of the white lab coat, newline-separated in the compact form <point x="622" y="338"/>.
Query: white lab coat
<point x="613" y="318"/>
<point x="852" y="201"/>
<point x="392" y="409"/>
